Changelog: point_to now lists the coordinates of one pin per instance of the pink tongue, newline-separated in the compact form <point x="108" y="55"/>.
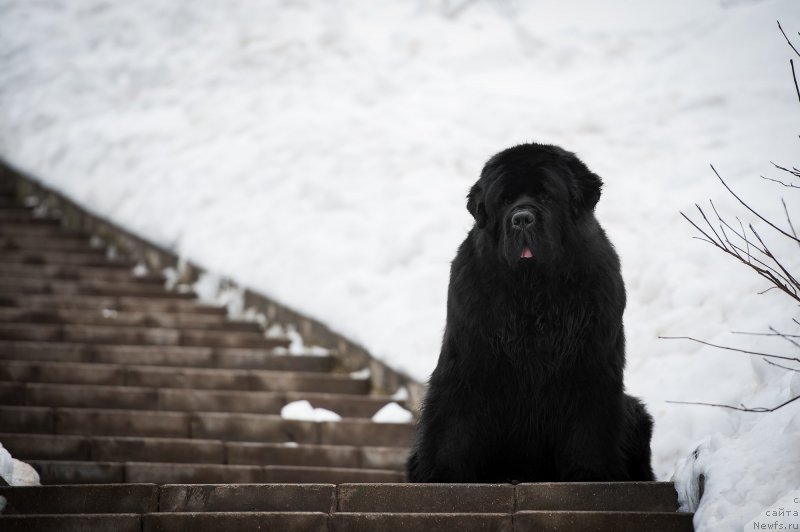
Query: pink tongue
<point x="526" y="253"/>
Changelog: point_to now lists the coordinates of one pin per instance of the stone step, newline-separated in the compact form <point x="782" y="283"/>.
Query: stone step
<point x="182" y="320"/>
<point x="200" y="451"/>
<point x="253" y="506"/>
<point x="47" y="230"/>
<point x="171" y="356"/>
<point x="261" y="521"/>
<point x="82" y="499"/>
<point x="20" y="214"/>
<point x="639" y="497"/>
<point x="72" y="523"/>
<point x="55" y="271"/>
<point x="491" y="498"/>
<point x="10" y="246"/>
<point x="17" y="207"/>
<point x="135" y="335"/>
<point x="63" y="472"/>
<point x="521" y="521"/>
<point x="62" y="258"/>
<point x="557" y="521"/>
<point x="181" y="399"/>
<point x="173" y="377"/>
<point x="39" y="242"/>
<point x="120" y="304"/>
<point x="91" y="287"/>
<point x="179" y="498"/>
<point x="263" y="428"/>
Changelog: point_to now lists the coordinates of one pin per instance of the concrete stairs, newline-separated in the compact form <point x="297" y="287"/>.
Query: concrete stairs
<point x="143" y="409"/>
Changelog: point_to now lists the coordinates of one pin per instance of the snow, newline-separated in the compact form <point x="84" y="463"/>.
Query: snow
<point x="392" y="413"/>
<point x="210" y="288"/>
<point x="784" y="514"/>
<point x="364" y="373"/>
<point x="304" y="411"/>
<point x="15" y="472"/>
<point x="401" y="394"/>
<point x="321" y="153"/>
<point x="749" y="468"/>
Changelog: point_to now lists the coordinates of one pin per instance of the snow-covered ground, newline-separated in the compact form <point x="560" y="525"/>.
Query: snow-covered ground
<point x="320" y="152"/>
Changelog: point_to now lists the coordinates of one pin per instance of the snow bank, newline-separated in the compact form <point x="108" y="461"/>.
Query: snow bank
<point x="751" y="468"/>
<point x="321" y="153"/>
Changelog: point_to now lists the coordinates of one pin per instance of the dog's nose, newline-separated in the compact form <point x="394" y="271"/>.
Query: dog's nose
<point x="522" y="219"/>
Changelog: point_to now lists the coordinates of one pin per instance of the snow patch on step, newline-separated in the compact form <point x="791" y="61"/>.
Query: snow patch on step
<point x="303" y="411"/>
<point x="361" y="374"/>
<point x="140" y="270"/>
<point x="401" y="394"/>
<point x="211" y="288"/>
<point x="392" y="413"/>
<point x="15" y="472"/>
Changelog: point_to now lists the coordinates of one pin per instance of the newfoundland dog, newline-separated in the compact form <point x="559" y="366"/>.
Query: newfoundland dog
<point x="528" y="387"/>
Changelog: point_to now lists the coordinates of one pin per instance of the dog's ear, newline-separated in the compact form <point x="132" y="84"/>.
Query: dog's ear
<point x="587" y="188"/>
<point x="475" y="206"/>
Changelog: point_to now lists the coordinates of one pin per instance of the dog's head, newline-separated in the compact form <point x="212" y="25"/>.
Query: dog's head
<point x="530" y="200"/>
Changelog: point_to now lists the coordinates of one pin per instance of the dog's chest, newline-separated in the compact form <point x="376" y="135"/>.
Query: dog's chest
<point x="542" y="330"/>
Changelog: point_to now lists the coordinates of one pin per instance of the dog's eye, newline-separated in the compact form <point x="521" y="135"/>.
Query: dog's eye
<point x="505" y="202"/>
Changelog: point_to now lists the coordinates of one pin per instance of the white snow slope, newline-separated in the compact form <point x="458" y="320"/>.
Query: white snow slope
<point x="321" y="151"/>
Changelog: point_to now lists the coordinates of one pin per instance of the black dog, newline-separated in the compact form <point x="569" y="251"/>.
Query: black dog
<point x="528" y="386"/>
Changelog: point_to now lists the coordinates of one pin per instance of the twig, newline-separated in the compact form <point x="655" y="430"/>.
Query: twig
<point x="765" y="334"/>
<point x="747" y="242"/>
<point x="780" y="366"/>
<point x="794" y="171"/>
<point x="758" y="409"/>
<point x="785" y="337"/>
<point x="789" y="219"/>
<point x="780" y="357"/>
<point x="787" y="39"/>
<point x="789" y="185"/>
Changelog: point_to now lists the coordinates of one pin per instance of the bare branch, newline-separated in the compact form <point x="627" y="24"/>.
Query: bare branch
<point x="784" y="283"/>
<point x="766" y="271"/>
<point x="792" y="281"/>
<point x="749" y="208"/>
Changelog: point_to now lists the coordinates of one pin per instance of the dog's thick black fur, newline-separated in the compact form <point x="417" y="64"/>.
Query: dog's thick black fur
<point x="528" y="386"/>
